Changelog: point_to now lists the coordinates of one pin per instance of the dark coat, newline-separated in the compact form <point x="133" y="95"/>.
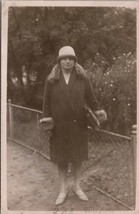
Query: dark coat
<point x="65" y="104"/>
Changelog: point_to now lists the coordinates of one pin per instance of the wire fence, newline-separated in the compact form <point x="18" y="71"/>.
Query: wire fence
<point x="111" y="165"/>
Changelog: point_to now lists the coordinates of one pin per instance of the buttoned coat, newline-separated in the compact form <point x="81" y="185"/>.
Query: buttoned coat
<point x="65" y="104"/>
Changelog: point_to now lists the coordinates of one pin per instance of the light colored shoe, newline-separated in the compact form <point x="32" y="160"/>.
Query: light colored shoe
<point x="61" y="198"/>
<point x="81" y="195"/>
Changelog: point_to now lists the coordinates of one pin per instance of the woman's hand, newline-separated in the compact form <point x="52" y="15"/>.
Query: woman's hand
<point x="101" y="114"/>
<point x="47" y="123"/>
<point x="46" y="119"/>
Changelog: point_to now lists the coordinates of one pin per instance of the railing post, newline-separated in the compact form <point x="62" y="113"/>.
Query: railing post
<point x="134" y="146"/>
<point x="10" y="112"/>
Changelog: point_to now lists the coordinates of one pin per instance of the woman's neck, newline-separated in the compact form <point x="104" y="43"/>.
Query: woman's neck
<point x="66" y="71"/>
<point x="66" y="75"/>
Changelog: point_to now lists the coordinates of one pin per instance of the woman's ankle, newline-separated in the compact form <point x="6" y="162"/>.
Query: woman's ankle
<point x="63" y="189"/>
<point x="76" y="187"/>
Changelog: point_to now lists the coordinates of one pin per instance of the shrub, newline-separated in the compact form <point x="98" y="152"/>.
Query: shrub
<point x="116" y="91"/>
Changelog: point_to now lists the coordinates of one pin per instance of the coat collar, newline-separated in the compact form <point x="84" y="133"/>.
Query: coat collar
<point x="54" y="76"/>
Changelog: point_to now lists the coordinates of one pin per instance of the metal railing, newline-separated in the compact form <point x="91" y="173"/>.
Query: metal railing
<point x="111" y="167"/>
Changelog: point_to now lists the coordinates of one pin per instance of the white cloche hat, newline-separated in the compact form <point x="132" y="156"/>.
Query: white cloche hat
<point x="66" y="51"/>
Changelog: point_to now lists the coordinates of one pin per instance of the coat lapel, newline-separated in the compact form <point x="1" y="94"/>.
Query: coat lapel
<point x="63" y="85"/>
<point x="66" y="89"/>
<point x="72" y="80"/>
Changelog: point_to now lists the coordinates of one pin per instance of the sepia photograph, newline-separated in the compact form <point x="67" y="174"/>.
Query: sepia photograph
<point x="71" y="108"/>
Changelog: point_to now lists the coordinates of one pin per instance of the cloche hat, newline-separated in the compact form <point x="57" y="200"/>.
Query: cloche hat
<point x="66" y="51"/>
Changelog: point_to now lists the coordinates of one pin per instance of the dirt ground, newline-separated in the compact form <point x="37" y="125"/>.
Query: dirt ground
<point x="33" y="185"/>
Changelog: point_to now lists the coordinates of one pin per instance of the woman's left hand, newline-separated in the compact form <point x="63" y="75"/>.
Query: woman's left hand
<point x="101" y="114"/>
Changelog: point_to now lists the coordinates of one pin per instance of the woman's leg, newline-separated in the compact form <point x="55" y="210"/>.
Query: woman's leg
<point x="62" y="169"/>
<point x="76" y="168"/>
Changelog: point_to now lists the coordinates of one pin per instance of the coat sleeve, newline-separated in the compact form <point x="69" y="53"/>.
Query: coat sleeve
<point x="90" y="96"/>
<point x="46" y="100"/>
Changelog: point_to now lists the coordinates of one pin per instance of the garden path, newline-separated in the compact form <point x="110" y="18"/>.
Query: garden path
<point x="33" y="185"/>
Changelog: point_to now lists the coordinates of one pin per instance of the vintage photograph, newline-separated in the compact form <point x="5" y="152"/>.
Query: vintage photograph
<point x="71" y="108"/>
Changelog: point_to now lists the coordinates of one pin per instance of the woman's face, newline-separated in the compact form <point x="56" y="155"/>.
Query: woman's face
<point x="67" y="63"/>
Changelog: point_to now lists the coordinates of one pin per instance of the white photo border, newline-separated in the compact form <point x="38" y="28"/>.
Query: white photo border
<point x="30" y="3"/>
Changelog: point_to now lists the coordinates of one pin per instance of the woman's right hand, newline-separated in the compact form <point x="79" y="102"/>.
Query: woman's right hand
<point x="46" y="119"/>
<point x="47" y="123"/>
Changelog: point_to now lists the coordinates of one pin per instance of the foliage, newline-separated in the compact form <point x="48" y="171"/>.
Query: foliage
<point x="97" y="35"/>
<point x="116" y="91"/>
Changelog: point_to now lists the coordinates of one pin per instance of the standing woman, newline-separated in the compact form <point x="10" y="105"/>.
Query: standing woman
<point x="67" y="89"/>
